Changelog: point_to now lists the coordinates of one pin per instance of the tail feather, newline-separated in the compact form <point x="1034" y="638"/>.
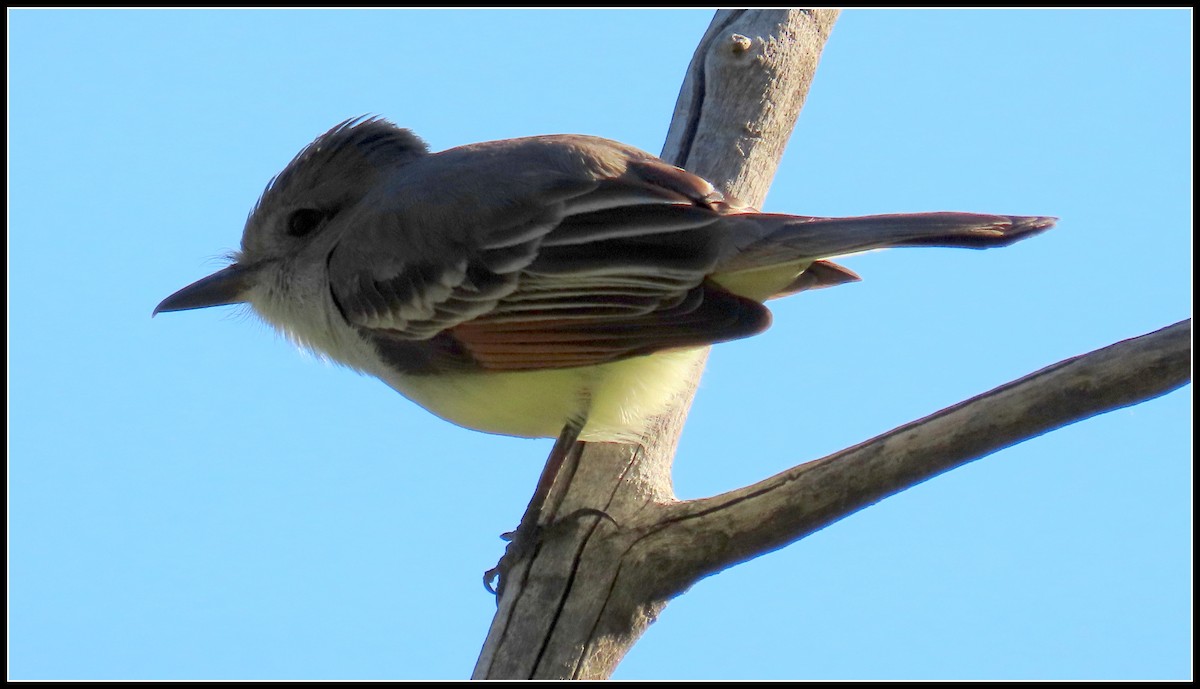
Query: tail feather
<point x="778" y="239"/>
<point x="818" y="275"/>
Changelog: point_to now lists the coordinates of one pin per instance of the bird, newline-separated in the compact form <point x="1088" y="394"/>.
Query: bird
<point x="531" y="285"/>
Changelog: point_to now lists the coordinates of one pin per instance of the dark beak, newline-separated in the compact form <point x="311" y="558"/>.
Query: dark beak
<point x="227" y="286"/>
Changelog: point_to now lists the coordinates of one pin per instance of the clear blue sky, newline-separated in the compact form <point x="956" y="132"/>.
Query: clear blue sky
<point x="190" y="497"/>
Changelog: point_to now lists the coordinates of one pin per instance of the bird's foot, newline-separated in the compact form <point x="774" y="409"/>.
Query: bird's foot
<point x="525" y="540"/>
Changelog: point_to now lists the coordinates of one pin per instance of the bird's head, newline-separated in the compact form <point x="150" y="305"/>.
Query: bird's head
<point x="333" y="173"/>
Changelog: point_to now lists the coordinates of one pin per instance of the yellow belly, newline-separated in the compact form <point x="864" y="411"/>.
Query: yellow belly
<point x="617" y="400"/>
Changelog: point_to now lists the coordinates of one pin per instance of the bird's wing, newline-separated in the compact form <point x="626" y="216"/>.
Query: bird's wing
<point x="564" y="253"/>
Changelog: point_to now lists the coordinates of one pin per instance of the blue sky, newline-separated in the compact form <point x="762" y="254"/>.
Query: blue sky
<point x="190" y="497"/>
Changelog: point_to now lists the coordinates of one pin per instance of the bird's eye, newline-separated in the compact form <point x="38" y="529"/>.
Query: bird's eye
<point x="303" y="221"/>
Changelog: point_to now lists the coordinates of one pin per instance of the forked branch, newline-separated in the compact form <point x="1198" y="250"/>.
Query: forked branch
<point x="580" y="599"/>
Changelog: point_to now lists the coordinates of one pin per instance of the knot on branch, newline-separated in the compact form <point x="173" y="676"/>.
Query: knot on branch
<point x="739" y="44"/>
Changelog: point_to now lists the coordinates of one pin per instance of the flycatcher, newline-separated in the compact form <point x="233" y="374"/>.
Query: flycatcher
<point x="528" y="285"/>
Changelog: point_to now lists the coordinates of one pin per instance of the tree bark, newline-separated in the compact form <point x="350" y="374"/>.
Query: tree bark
<point x="690" y="540"/>
<point x="557" y="618"/>
<point x="581" y="597"/>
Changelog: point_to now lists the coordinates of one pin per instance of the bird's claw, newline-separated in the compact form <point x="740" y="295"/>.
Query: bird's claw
<point x="523" y="541"/>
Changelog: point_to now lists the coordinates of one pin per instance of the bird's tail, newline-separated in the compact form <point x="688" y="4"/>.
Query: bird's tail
<point x="781" y="239"/>
<point x="774" y="255"/>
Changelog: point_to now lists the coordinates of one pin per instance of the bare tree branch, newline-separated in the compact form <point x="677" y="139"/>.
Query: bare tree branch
<point x="577" y="602"/>
<point x="700" y="537"/>
<point x="556" y="619"/>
